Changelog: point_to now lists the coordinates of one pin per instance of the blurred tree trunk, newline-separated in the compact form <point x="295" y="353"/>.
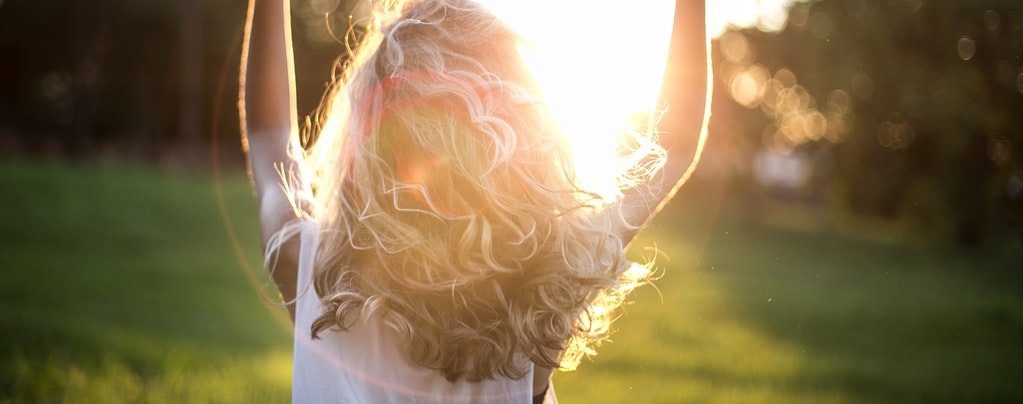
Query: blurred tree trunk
<point x="91" y="35"/>
<point x="190" y="111"/>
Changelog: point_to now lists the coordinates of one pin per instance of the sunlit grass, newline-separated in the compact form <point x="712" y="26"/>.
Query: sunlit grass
<point x="798" y="313"/>
<point x="180" y="377"/>
<point x="118" y="285"/>
<point x="689" y="346"/>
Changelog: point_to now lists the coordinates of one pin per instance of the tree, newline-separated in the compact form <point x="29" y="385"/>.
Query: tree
<point x="917" y="103"/>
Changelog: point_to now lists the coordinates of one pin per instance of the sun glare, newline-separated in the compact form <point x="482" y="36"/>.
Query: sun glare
<point x="599" y="63"/>
<point x="765" y="15"/>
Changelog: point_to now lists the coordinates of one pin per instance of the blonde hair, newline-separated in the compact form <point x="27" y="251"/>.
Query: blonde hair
<point x="449" y="206"/>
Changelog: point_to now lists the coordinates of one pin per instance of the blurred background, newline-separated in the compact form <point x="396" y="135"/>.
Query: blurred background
<point x="854" y="231"/>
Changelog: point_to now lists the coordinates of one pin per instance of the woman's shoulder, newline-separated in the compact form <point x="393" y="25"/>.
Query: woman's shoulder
<point x="367" y="363"/>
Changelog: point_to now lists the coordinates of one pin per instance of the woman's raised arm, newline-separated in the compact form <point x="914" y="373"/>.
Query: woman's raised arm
<point x="685" y="91"/>
<point x="270" y="130"/>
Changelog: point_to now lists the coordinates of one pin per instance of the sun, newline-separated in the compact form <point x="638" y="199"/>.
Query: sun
<point x="599" y="63"/>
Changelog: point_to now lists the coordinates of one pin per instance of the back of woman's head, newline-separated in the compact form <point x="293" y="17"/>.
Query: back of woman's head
<point x="449" y="206"/>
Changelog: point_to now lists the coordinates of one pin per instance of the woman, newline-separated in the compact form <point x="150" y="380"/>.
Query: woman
<point x="433" y="244"/>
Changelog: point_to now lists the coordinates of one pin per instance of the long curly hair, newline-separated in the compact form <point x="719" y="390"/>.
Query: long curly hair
<point x="449" y="206"/>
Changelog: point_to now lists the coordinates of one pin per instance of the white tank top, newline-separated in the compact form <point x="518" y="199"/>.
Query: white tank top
<point x="367" y="364"/>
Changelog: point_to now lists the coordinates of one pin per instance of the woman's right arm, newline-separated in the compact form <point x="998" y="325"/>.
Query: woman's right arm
<point x="270" y="130"/>
<point x="685" y="90"/>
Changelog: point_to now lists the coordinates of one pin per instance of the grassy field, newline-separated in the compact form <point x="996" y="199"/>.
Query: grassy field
<point x="119" y="284"/>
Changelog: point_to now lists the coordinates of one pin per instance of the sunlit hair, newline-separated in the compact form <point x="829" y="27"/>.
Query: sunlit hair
<point x="448" y="204"/>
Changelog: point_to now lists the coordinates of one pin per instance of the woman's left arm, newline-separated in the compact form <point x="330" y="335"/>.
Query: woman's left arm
<point x="270" y="131"/>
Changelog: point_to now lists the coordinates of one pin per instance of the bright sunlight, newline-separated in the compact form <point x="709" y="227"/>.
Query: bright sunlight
<point x="599" y="63"/>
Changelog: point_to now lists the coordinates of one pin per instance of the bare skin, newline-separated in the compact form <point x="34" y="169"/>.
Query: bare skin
<point x="685" y="92"/>
<point x="270" y="128"/>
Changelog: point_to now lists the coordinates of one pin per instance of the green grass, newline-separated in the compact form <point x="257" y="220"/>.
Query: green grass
<point x="119" y="284"/>
<point x="797" y="312"/>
